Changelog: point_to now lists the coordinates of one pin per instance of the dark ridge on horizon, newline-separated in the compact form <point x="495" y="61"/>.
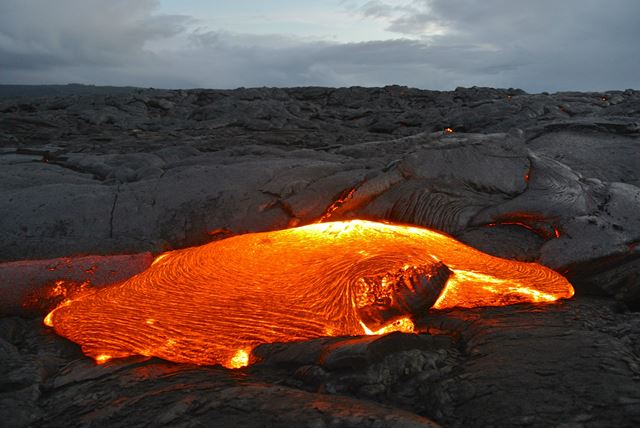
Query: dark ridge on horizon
<point x="37" y="91"/>
<point x="8" y="91"/>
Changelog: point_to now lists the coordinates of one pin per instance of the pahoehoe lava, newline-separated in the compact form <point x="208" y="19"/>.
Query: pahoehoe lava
<point x="213" y="303"/>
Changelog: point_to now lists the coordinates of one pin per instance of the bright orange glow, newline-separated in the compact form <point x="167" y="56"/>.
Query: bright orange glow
<point x="337" y="204"/>
<point x="159" y="258"/>
<point x="448" y="130"/>
<point x="239" y="359"/>
<point x="48" y="320"/>
<point x="214" y="303"/>
<point x="404" y="325"/>
<point x="102" y="358"/>
<point x="58" y="289"/>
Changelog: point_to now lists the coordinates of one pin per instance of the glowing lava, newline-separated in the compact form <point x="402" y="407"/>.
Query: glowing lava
<point x="214" y="303"/>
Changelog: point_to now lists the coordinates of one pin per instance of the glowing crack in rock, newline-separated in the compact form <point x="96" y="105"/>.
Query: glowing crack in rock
<point x="214" y="303"/>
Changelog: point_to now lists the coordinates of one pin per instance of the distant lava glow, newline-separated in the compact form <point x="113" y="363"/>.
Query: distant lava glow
<point x="214" y="303"/>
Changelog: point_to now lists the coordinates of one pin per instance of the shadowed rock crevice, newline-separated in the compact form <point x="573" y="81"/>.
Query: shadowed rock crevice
<point x="113" y="209"/>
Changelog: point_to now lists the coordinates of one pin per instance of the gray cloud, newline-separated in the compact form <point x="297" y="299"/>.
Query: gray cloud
<point x="72" y="32"/>
<point x="542" y="45"/>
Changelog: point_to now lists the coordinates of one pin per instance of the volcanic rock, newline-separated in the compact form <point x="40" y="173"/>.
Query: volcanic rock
<point x="34" y="287"/>
<point x="551" y="178"/>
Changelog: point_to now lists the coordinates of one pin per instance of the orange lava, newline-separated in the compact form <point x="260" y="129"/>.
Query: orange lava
<point x="214" y="303"/>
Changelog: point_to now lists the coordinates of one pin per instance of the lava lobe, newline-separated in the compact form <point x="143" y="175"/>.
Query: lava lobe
<point x="214" y="303"/>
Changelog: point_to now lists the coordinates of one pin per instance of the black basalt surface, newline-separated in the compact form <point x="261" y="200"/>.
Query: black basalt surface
<point x="552" y="178"/>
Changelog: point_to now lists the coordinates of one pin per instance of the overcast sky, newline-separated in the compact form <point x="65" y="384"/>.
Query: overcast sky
<point x="536" y="45"/>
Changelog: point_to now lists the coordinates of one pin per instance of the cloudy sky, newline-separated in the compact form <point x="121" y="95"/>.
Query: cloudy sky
<point x="537" y="45"/>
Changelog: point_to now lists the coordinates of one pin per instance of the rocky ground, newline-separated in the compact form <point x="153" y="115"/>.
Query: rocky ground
<point x="552" y="178"/>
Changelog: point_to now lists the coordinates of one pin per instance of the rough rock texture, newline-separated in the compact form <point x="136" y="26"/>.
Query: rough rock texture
<point x="570" y="364"/>
<point x="34" y="287"/>
<point x="551" y="178"/>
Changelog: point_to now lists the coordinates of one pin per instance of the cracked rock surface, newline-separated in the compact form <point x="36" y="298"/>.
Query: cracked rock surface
<point x="551" y="178"/>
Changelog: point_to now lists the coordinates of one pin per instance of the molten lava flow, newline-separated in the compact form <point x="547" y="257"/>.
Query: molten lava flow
<point x="212" y="304"/>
